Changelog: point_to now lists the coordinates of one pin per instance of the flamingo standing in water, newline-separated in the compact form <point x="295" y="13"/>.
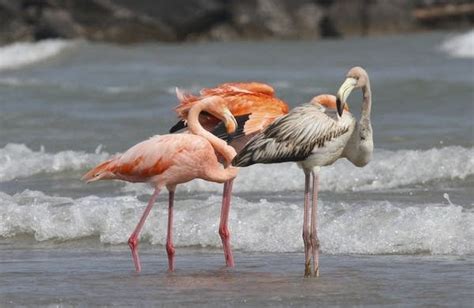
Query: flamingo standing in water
<point x="169" y="160"/>
<point x="314" y="135"/>
<point x="255" y="106"/>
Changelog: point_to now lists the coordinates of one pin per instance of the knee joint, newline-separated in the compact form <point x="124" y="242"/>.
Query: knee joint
<point x="306" y="237"/>
<point x="224" y="233"/>
<point x="133" y="243"/>
<point x="170" y="249"/>
<point x="315" y="241"/>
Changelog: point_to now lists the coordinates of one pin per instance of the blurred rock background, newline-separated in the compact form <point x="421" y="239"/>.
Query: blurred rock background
<point x="131" y="21"/>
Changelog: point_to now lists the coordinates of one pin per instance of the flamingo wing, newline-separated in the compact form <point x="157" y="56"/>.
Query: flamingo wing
<point x="186" y="100"/>
<point x="144" y="160"/>
<point x="221" y="131"/>
<point x="253" y="113"/>
<point x="262" y="110"/>
<point x="225" y="90"/>
<point x="239" y="87"/>
<point x="253" y="104"/>
<point x="292" y="137"/>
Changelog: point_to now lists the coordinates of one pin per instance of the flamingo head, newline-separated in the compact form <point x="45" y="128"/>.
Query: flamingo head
<point x="356" y="78"/>
<point x="220" y="110"/>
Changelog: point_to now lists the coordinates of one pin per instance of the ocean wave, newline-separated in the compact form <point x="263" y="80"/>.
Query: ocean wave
<point x="461" y="46"/>
<point x="388" y="169"/>
<point x="121" y="89"/>
<point x="15" y="82"/>
<point x="370" y="227"/>
<point x="19" y="82"/>
<point x="17" y="55"/>
<point x="17" y="160"/>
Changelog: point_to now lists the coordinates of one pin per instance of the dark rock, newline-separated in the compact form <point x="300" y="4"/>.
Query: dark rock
<point x="106" y="20"/>
<point x="276" y="18"/>
<point x="363" y="17"/>
<point x="130" y="21"/>
<point x="57" y="23"/>
<point x="13" y="27"/>
<point x="219" y="32"/>
<point x="327" y="28"/>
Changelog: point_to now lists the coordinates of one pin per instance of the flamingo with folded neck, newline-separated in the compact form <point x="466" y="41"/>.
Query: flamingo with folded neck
<point x="169" y="160"/>
<point x="255" y="106"/>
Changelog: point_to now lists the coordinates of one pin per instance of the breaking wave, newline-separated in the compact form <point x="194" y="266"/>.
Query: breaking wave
<point x="17" y="55"/>
<point x="369" y="227"/>
<point x="461" y="46"/>
<point x="17" y="160"/>
<point x="388" y="169"/>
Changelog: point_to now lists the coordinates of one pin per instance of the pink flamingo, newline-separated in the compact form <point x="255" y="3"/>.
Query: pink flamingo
<point x="255" y="106"/>
<point x="169" y="160"/>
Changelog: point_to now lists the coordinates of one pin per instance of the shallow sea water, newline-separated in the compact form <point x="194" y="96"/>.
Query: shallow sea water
<point x="92" y="274"/>
<point x="398" y="232"/>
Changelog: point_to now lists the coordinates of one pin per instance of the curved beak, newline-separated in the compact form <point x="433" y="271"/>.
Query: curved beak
<point x="230" y="121"/>
<point x="343" y="93"/>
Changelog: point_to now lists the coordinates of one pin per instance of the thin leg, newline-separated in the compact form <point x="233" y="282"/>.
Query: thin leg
<point x="169" y="237"/>
<point x="306" y="231"/>
<point x="223" y="226"/>
<point x="133" y="240"/>
<point x="314" y="225"/>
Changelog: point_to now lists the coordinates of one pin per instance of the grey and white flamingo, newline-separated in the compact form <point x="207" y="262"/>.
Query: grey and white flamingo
<point x="315" y="135"/>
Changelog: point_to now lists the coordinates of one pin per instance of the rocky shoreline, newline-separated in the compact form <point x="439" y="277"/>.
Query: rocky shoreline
<point x="128" y="21"/>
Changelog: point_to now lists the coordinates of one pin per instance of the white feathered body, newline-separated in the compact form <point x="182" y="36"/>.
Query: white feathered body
<point x="333" y="148"/>
<point x="313" y="135"/>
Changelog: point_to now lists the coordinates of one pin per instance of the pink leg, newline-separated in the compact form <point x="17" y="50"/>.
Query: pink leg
<point x="133" y="240"/>
<point x="314" y="225"/>
<point x="223" y="226"/>
<point x="169" y="238"/>
<point x="306" y="231"/>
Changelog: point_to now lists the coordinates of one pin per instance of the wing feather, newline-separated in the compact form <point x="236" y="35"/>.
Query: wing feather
<point x="255" y="100"/>
<point x="292" y="137"/>
<point x="242" y="87"/>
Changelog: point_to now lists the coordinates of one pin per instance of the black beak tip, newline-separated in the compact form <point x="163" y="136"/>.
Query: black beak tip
<point x="178" y="126"/>
<point x="339" y="106"/>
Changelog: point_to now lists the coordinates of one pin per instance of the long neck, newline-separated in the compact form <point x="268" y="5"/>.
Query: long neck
<point x="367" y="103"/>
<point x="195" y="127"/>
<point x="361" y="145"/>
<point x="365" y="142"/>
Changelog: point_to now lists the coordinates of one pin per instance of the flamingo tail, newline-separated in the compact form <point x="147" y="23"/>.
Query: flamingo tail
<point x="101" y="171"/>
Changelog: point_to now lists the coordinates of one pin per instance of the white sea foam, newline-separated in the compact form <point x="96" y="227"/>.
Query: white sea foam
<point x="20" y="54"/>
<point x="17" y="160"/>
<point x="372" y="227"/>
<point x="460" y="45"/>
<point x="389" y="169"/>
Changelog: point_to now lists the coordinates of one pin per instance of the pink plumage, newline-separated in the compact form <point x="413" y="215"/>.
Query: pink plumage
<point x="169" y="160"/>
